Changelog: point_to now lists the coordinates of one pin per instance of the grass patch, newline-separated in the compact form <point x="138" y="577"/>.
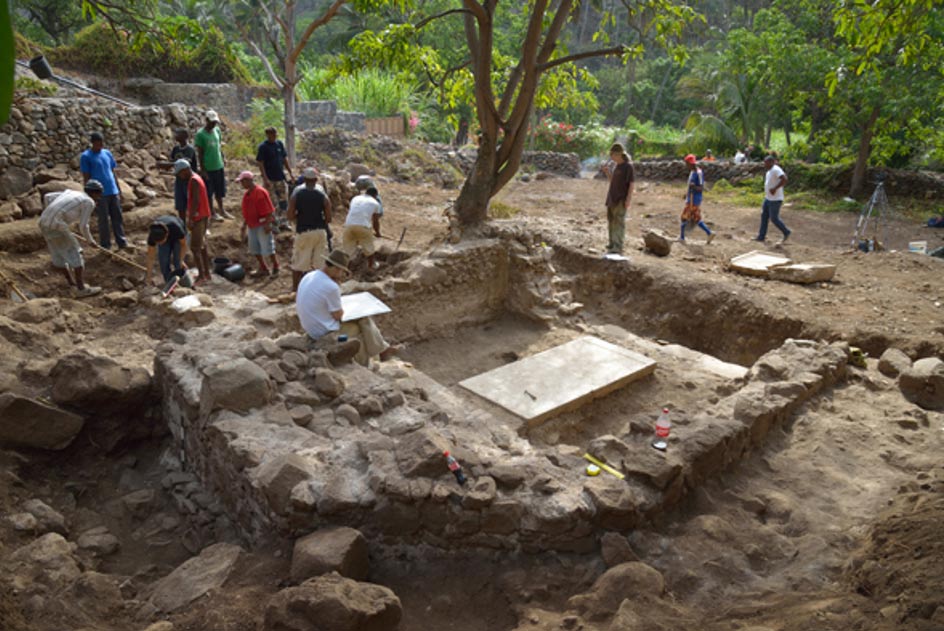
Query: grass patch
<point x="501" y="210"/>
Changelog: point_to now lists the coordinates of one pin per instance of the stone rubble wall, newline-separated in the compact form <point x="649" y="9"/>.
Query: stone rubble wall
<point x="228" y="99"/>
<point x="291" y="439"/>
<point x="562" y="164"/>
<point x="318" y="114"/>
<point x="41" y="143"/>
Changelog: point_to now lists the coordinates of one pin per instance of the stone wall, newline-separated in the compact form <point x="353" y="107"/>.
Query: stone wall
<point x="228" y="99"/>
<point x="292" y="438"/>
<point x="564" y="164"/>
<point x="318" y="114"/>
<point x="41" y="143"/>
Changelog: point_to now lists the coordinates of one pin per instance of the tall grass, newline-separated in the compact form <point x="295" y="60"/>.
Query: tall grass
<point x="376" y="93"/>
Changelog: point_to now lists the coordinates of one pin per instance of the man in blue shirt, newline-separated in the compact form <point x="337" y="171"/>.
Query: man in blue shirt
<point x="97" y="163"/>
<point x="273" y="162"/>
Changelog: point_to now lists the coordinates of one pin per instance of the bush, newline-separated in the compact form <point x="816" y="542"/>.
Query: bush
<point x="375" y="93"/>
<point x="101" y="50"/>
<point x="585" y="141"/>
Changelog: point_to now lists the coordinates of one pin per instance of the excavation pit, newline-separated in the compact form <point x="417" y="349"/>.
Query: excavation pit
<point x="291" y="443"/>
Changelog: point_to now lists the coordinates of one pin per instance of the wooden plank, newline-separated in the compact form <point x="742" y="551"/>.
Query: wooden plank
<point x="563" y="378"/>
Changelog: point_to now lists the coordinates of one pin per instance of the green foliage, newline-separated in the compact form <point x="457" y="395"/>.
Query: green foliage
<point x="37" y="87"/>
<point x="242" y="139"/>
<point x="647" y="140"/>
<point x="708" y="132"/>
<point x="375" y="92"/>
<point x="101" y="49"/>
<point x="25" y="47"/>
<point x="50" y="22"/>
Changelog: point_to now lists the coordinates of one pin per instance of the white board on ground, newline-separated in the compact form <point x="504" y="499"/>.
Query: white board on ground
<point x="361" y="305"/>
<point x="757" y="263"/>
<point x="560" y="379"/>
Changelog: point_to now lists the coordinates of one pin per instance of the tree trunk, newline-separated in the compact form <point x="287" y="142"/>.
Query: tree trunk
<point x="472" y="205"/>
<point x="288" y="96"/>
<point x="865" y="151"/>
<point x="290" y="67"/>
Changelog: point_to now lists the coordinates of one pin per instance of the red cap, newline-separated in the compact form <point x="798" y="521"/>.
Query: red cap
<point x="691" y="159"/>
<point x="446" y="453"/>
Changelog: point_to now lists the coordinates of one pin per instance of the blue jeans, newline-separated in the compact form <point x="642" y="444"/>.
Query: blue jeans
<point x="771" y="211"/>
<point x="109" y="211"/>
<point x="701" y="224"/>
<point x="168" y="257"/>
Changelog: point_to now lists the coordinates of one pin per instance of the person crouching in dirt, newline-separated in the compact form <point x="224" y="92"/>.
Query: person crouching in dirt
<point x="318" y="304"/>
<point x="197" y="215"/>
<point x="618" y="197"/>
<point x="62" y="210"/>
<point x="258" y="223"/>
<point x="692" y="212"/>
<point x="167" y="241"/>
<point x="364" y="184"/>
<point x="363" y="216"/>
<point x="310" y="209"/>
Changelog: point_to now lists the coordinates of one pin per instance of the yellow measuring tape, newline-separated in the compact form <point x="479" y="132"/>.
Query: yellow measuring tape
<point x="604" y="466"/>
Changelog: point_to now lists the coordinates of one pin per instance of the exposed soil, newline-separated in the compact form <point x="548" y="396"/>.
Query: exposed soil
<point x="834" y="525"/>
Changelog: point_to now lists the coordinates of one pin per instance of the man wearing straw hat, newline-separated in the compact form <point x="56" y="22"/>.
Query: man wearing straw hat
<point x="61" y="211"/>
<point x="318" y="304"/>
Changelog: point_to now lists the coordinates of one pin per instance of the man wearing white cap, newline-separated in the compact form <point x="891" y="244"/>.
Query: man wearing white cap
<point x="197" y="215"/>
<point x="62" y="210"/>
<point x="258" y="224"/>
<point x="310" y="209"/>
<point x="209" y="145"/>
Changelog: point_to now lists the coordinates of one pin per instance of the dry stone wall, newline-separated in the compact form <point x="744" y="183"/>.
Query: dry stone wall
<point x="292" y="438"/>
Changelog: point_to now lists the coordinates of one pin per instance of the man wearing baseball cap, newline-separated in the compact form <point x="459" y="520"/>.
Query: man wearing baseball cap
<point x="318" y="304"/>
<point x="209" y="144"/>
<point x="62" y="210"/>
<point x="197" y="215"/>
<point x="310" y="209"/>
<point x="98" y="164"/>
<point x="258" y="223"/>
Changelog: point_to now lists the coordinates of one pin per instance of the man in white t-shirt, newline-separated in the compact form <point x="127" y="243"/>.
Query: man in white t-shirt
<point x="318" y="304"/>
<point x="774" y="182"/>
<point x="362" y="224"/>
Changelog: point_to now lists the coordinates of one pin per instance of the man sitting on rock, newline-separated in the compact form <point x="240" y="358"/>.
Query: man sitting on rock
<point x="318" y="304"/>
<point x="62" y="210"/>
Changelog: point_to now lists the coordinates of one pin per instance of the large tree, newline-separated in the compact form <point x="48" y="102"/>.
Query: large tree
<point x="271" y="27"/>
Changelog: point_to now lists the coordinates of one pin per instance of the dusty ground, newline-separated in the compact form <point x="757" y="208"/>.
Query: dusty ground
<point x="835" y="525"/>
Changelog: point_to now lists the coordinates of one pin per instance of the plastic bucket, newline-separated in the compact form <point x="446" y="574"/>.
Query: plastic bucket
<point x="40" y="67"/>
<point x="234" y="273"/>
<point x="220" y="264"/>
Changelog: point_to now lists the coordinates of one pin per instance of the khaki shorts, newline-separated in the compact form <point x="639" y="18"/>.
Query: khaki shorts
<point x="64" y="248"/>
<point x="354" y="236"/>
<point x="309" y="250"/>
<point x="198" y="236"/>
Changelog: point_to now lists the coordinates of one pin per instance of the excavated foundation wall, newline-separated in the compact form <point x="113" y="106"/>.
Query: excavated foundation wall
<point x="290" y="442"/>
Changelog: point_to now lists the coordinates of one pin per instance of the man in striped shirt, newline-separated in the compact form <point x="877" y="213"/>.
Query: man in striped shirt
<point x="62" y="210"/>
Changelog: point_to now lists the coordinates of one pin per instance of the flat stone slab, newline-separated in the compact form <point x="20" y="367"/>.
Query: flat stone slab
<point x="560" y="379"/>
<point x="803" y="273"/>
<point x="757" y="263"/>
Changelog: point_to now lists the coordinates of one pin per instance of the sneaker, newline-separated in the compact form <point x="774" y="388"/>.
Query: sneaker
<point x="262" y="271"/>
<point x="218" y="217"/>
<point x="227" y="215"/>
<point x="711" y="237"/>
<point x="785" y="237"/>
<point x="759" y="239"/>
<point x="275" y="271"/>
<point x="87" y="291"/>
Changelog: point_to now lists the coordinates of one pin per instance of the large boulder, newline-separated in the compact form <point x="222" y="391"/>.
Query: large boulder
<point x="47" y="561"/>
<point x="627" y="580"/>
<point x="657" y="242"/>
<point x="334" y="603"/>
<point x="238" y="385"/>
<point x="195" y="577"/>
<point x="342" y="550"/>
<point x="893" y="362"/>
<point x="98" y="384"/>
<point x="25" y="422"/>
<point x="15" y="181"/>
<point x="923" y="383"/>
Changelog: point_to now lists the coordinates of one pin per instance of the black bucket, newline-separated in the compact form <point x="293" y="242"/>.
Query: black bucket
<point x="220" y="264"/>
<point x="40" y="67"/>
<point x="234" y="273"/>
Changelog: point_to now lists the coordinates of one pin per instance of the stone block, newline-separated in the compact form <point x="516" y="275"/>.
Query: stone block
<point x="923" y="383"/>
<point x="420" y="454"/>
<point x="657" y="242"/>
<point x="803" y="273"/>
<point x="278" y="476"/>
<point x="25" y="422"/>
<point x="893" y="362"/>
<point x="237" y="385"/>
<point x="342" y="550"/>
<point x="195" y="577"/>
<point x="333" y="602"/>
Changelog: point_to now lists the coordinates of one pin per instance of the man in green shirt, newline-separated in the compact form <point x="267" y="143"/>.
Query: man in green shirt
<point x="209" y="144"/>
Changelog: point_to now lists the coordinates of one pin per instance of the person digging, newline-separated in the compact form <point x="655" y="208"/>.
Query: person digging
<point x="62" y="210"/>
<point x="167" y="242"/>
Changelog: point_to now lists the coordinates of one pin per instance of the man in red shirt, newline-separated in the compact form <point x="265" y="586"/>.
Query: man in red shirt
<point x="198" y="215"/>
<point x="258" y="222"/>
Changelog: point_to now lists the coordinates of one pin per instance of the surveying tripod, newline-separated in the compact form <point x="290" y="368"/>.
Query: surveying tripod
<point x="874" y="218"/>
